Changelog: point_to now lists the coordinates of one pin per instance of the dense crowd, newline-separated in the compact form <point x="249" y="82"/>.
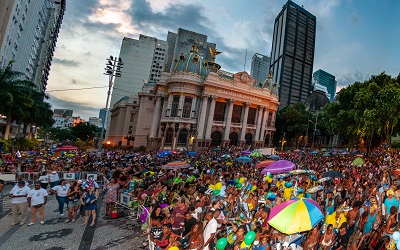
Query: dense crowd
<point x="216" y="202"/>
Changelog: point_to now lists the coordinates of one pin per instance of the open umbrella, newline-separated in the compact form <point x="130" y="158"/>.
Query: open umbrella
<point x="246" y="152"/>
<point x="279" y="167"/>
<point x="176" y="165"/>
<point x="66" y="148"/>
<point x="225" y="156"/>
<point x="295" y="216"/>
<point x="333" y="174"/>
<point x="315" y="189"/>
<point x="216" y="150"/>
<point x="256" y="154"/>
<point x="192" y="153"/>
<point x="273" y="157"/>
<point x="322" y="180"/>
<point x="298" y="171"/>
<point x="358" y="161"/>
<point x="326" y="155"/>
<point x="324" y="150"/>
<point x="164" y="153"/>
<point x="314" y="152"/>
<point x="244" y="159"/>
<point x="263" y="164"/>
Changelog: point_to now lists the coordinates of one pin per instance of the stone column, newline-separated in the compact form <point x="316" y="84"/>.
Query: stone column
<point x="228" y="120"/>
<point x="193" y="109"/>
<point x="244" y="121"/>
<point x="156" y="121"/>
<point x="201" y="122"/>
<point x="263" y="124"/>
<point x="180" y="105"/>
<point x="210" y="117"/>
<point x="164" y="106"/>
<point x="258" y="126"/>
<point x="169" y="105"/>
<point x="273" y="119"/>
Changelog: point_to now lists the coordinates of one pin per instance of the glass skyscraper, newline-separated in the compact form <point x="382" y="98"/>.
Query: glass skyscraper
<point x="325" y="79"/>
<point x="259" y="68"/>
<point x="292" y="55"/>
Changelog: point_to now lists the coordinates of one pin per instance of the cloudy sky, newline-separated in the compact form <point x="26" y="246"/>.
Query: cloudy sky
<point x="354" y="39"/>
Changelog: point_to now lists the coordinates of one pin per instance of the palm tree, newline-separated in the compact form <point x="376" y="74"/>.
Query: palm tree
<point x="15" y="96"/>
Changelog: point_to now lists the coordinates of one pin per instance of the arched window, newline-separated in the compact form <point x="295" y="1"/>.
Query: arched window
<point x="234" y="139"/>
<point x="169" y="136"/>
<point x="183" y="134"/>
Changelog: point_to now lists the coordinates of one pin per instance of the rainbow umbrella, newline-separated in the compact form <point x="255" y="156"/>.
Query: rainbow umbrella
<point x="295" y="216"/>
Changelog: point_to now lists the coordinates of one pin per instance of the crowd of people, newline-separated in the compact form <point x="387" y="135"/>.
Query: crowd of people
<point x="216" y="202"/>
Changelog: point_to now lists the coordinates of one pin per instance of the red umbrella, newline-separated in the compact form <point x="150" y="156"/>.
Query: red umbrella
<point x="66" y="148"/>
<point x="264" y="164"/>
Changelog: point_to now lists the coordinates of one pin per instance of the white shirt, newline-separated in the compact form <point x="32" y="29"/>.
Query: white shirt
<point x="61" y="190"/>
<point x="211" y="228"/>
<point x="37" y="196"/>
<point x="16" y="191"/>
<point x="197" y="211"/>
<point x="44" y="178"/>
<point x="54" y="177"/>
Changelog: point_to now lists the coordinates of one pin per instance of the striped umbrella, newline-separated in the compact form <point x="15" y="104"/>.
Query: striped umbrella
<point x="176" y="165"/>
<point x="263" y="164"/>
<point x="295" y="216"/>
<point x="279" y="167"/>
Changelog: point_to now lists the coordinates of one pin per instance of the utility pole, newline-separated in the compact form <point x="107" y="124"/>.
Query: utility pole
<point x="113" y="69"/>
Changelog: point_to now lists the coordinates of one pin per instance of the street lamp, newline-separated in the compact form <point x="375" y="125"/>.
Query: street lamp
<point x="315" y="129"/>
<point x="113" y="69"/>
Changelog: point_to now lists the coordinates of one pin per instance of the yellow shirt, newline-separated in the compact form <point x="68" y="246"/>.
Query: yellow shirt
<point x="331" y="219"/>
<point x="287" y="193"/>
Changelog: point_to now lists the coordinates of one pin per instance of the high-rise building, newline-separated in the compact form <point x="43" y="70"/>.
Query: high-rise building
<point x="292" y="55"/>
<point x="29" y="31"/>
<point x="103" y="114"/>
<point x="144" y="60"/>
<point x="183" y="42"/>
<point x="327" y="80"/>
<point x="260" y="68"/>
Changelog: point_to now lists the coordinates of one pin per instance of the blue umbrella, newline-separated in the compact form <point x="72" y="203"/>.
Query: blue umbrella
<point x="274" y="157"/>
<point x="314" y="152"/>
<point x="244" y="159"/>
<point x="192" y="153"/>
<point x="164" y="153"/>
<point x="326" y="155"/>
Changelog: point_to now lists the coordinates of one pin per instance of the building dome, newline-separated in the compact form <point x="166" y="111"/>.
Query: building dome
<point x="192" y="62"/>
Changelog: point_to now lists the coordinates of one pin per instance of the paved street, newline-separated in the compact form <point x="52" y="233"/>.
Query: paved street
<point x="55" y="234"/>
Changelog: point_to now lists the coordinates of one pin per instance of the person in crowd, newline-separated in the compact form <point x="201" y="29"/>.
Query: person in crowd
<point x="89" y="199"/>
<point x="210" y="229"/>
<point x="74" y="195"/>
<point x="61" y="192"/>
<point x="37" y="199"/>
<point x="328" y="238"/>
<point x="110" y="197"/>
<point x="341" y="238"/>
<point x="53" y="179"/>
<point x="19" y="202"/>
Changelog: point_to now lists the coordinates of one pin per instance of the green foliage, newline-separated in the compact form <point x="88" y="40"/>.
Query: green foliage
<point x="396" y="144"/>
<point x="20" y="144"/>
<point x="85" y="131"/>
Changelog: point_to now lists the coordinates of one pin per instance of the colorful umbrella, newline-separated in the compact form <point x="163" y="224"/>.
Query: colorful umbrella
<point x="192" y="153"/>
<point x="358" y="161"/>
<point x="163" y="154"/>
<point x="279" y="167"/>
<point x="314" y="152"/>
<point x="176" y="165"/>
<point x="264" y="164"/>
<point x="273" y="157"/>
<point x="244" y="159"/>
<point x="226" y="156"/>
<point x="246" y="152"/>
<point x="295" y="216"/>
<point x="326" y="155"/>
<point x="256" y="154"/>
<point x="216" y="149"/>
<point x="322" y="180"/>
<point x="67" y="148"/>
<point x="315" y="189"/>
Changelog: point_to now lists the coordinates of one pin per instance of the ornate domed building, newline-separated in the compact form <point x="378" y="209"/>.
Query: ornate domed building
<point x="197" y="106"/>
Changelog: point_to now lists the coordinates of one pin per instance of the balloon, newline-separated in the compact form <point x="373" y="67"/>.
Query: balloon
<point x="173" y="248"/>
<point x="216" y="192"/>
<point x="222" y="193"/>
<point x="218" y="186"/>
<point x="236" y="180"/>
<point x="249" y="237"/>
<point x="268" y="174"/>
<point x="396" y="236"/>
<point x="221" y="244"/>
<point x="269" y="180"/>
<point x="239" y="185"/>
<point x="223" y="188"/>
<point x="249" y="187"/>
<point x="212" y="186"/>
<point x="254" y="188"/>
<point x="241" y="180"/>
<point x="243" y="245"/>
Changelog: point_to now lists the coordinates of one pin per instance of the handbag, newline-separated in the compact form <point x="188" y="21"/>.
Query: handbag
<point x="38" y="205"/>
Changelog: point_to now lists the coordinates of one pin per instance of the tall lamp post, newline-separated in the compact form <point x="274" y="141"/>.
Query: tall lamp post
<point x="113" y="69"/>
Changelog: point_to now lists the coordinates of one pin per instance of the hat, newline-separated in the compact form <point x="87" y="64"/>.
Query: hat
<point x="344" y="225"/>
<point x="390" y="191"/>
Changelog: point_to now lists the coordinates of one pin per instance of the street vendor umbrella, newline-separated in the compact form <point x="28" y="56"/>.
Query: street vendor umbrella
<point x="333" y="174"/>
<point x="295" y="216"/>
<point x="263" y="164"/>
<point x="273" y="157"/>
<point x="225" y="156"/>
<point x="246" y="152"/>
<point x="279" y="167"/>
<point x="256" y="154"/>
<point x="192" y="153"/>
<point x="358" y="161"/>
<point x="164" y="153"/>
<point x="176" y="165"/>
<point x="66" y="148"/>
<point x="244" y="159"/>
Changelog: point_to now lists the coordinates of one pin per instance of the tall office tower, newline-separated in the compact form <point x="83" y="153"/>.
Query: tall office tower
<point x="260" y="68"/>
<point x="183" y="44"/>
<point x="143" y="61"/>
<point x="29" y="31"/>
<point x="292" y="55"/>
<point x="171" y="40"/>
<point x="327" y="80"/>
